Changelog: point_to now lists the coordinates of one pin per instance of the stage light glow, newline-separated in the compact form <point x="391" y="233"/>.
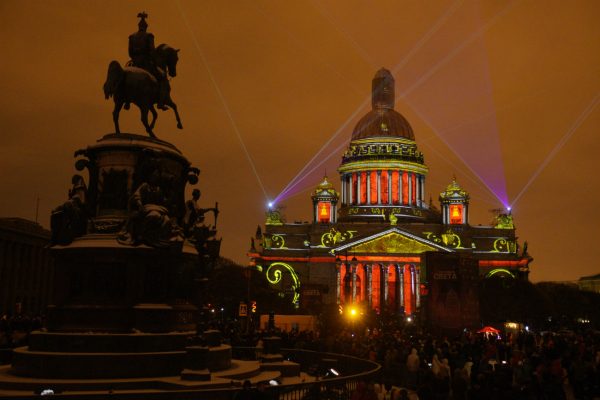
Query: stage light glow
<point x="270" y="204"/>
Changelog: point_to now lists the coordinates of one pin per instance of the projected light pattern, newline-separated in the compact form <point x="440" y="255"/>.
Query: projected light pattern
<point x="303" y="175"/>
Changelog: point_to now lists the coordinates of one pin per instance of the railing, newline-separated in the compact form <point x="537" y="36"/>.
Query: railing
<point x="352" y="370"/>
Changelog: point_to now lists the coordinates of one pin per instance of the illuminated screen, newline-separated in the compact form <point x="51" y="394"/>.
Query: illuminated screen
<point x="324" y="209"/>
<point x="456" y="213"/>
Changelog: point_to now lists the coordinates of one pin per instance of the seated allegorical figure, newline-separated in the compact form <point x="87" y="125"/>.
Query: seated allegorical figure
<point x="149" y="221"/>
<point x="69" y="220"/>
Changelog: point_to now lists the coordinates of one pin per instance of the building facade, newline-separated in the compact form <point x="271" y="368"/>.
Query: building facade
<point x="368" y="242"/>
<point x="26" y="267"/>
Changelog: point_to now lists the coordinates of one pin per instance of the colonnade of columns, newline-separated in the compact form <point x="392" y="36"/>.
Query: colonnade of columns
<point x="26" y="275"/>
<point x="394" y="287"/>
<point x="383" y="187"/>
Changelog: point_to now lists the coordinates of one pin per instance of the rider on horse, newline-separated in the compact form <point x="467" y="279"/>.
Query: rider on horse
<point x="141" y="49"/>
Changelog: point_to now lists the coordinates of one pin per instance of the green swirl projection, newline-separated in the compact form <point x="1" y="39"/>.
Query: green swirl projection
<point x="333" y="237"/>
<point x="451" y="239"/>
<point x="277" y="242"/>
<point x="448" y="239"/>
<point x="499" y="271"/>
<point x="501" y="245"/>
<point x="275" y="274"/>
<point x="432" y="236"/>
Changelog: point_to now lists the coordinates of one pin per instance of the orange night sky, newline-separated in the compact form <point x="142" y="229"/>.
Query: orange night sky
<point x="508" y="89"/>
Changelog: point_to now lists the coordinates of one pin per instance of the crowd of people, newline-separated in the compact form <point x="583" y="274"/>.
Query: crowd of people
<point x="418" y="365"/>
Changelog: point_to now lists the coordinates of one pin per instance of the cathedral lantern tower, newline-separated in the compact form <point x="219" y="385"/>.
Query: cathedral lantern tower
<point x="382" y="171"/>
<point x="455" y="205"/>
<point x="325" y="200"/>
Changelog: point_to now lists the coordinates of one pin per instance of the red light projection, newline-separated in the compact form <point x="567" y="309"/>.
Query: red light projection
<point x="324" y="210"/>
<point x="456" y="214"/>
<point x="374" y="187"/>
<point x="413" y="179"/>
<point x="405" y="188"/>
<point x="395" y="182"/>
<point x="363" y="188"/>
<point x="384" y="187"/>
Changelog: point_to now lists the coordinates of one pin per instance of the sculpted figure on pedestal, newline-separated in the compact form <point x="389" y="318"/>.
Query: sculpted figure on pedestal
<point x="144" y="80"/>
<point x="69" y="220"/>
<point x="149" y="221"/>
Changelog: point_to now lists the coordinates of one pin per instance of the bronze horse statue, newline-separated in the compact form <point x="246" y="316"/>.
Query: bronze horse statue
<point x="140" y="87"/>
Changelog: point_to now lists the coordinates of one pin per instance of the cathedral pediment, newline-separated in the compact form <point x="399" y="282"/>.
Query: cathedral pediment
<point x="391" y="241"/>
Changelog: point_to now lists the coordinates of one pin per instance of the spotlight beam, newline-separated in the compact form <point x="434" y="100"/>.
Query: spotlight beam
<point x="222" y="99"/>
<point x="399" y="66"/>
<point x="559" y="145"/>
<point x="459" y="156"/>
<point x="431" y="71"/>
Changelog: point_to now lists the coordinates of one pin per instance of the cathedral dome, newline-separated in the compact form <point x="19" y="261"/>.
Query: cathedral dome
<point x="383" y="120"/>
<point x="383" y="123"/>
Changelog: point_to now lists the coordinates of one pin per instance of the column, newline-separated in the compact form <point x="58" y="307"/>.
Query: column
<point x="399" y="299"/>
<point x="353" y="269"/>
<point x="358" y="189"/>
<point x="401" y="187"/>
<point x="410" y="188"/>
<point x="378" y="187"/>
<point x="422" y="189"/>
<point x="338" y="283"/>
<point x="418" y="189"/>
<point x="369" y="183"/>
<point x="369" y="285"/>
<point x="343" y="180"/>
<point x="390" y="187"/>
<point x="351" y="191"/>
<point x="384" y="286"/>
<point x="418" y="286"/>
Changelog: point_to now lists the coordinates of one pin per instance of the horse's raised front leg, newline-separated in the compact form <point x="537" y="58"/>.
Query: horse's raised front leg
<point x="154" y="116"/>
<point x="144" y="114"/>
<point x="116" y="111"/>
<point x="172" y="104"/>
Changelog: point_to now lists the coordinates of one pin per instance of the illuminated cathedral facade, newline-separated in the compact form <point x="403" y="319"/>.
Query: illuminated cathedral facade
<point x="376" y="242"/>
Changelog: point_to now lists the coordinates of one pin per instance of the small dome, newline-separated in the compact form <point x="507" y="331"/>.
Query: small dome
<point x="325" y="189"/>
<point x="454" y="192"/>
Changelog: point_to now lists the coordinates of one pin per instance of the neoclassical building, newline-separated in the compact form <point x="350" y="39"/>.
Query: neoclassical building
<point x="370" y="242"/>
<point x="26" y="267"/>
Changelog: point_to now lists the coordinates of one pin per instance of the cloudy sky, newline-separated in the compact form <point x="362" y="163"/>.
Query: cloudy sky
<point x="503" y="95"/>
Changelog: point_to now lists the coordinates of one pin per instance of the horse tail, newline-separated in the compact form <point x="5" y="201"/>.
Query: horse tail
<point x="113" y="79"/>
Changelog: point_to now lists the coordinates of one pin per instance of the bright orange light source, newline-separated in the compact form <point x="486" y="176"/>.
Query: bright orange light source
<point x="324" y="209"/>
<point x="456" y="212"/>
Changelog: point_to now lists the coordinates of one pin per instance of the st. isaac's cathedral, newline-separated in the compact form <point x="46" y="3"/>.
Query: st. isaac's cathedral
<point x="377" y="243"/>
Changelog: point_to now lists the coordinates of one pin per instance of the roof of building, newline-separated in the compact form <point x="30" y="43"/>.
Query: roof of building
<point x="383" y="120"/>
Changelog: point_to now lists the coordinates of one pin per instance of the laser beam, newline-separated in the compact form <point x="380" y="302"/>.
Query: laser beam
<point x="222" y="99"/>
<point x="398" y="66"/>
<point x="580" y="120"/>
